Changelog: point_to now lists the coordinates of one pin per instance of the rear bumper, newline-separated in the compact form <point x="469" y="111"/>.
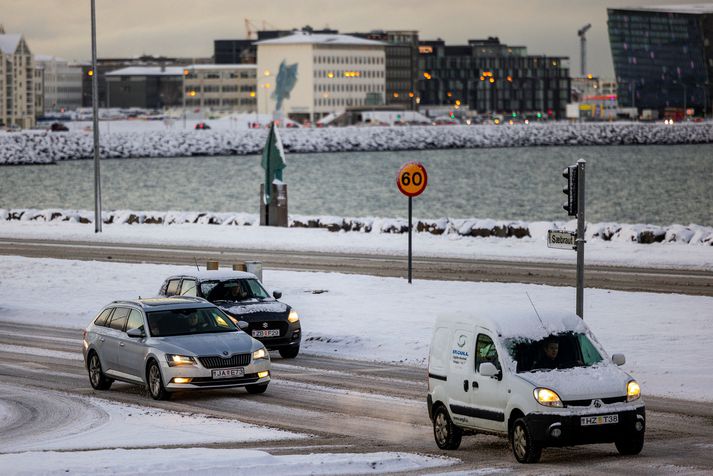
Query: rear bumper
<point x="543" y="428"/>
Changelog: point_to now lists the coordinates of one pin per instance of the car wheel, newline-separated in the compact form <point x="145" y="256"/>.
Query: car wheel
<point x="259" y="388"/>
<point x="523" y="446"/>
<point x="155" y="382"/>
<point x="448" y="436"/>
<point x="289" y="352"/>
<point x="630" y="445"/>
<point x="97" y="379"/>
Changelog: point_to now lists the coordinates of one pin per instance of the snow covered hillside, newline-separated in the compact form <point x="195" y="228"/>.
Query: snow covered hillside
<point x="49" y="147"/>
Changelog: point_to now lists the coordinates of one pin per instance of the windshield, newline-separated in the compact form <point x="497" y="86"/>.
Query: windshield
<point x="560" y="351"/>
<point x="178" y="322"/>
<point x="233" y="290"/>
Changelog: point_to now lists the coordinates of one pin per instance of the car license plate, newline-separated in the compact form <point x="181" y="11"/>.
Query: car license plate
<point x="599" y="420"/>
<point x="267" y="333"/>
<point x="229" y="373"/>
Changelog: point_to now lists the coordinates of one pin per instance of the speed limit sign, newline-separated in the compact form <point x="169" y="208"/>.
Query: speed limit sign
<point x="412" y="179"/>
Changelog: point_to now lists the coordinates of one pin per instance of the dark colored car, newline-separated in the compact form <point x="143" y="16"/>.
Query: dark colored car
<point x="58" y="127"/>
<point x="243" y="298"/>
<point x="202" y="125"/>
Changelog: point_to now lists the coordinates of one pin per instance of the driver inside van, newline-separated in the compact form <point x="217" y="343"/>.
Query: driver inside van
<point x="549" y="358"/>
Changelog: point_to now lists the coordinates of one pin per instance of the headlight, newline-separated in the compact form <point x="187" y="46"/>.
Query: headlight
<point x="547" y="397"/>
<point x="260" y="354"/>
<point x="174" y="360"/>
<point x="293" y="317"/>
<point x="633" y="391"/>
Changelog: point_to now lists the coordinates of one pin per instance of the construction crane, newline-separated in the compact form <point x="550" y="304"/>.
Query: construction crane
<point x="583" y="48"/>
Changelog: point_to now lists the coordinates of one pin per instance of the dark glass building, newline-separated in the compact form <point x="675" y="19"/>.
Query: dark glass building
<point x="489" y="77"/>
<point x="663" y="56"/>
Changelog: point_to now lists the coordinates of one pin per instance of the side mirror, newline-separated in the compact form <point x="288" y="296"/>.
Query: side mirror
<point x="277" y="294"/>
<point x="243" y="325"/>
<point x="488" y="369"/>
<point x="138" y="332"/>
<point x="618" y="359"/>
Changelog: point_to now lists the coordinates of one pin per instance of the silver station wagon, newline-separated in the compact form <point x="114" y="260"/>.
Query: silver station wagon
<point x="172" y="344"/>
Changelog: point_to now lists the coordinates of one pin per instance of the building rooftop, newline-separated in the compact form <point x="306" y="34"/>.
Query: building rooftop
<point x="221" y="66"/>
<point x="148" y="71"/>
<point x="9" y="42"/>
<point x="691" y="9"/>
<point x="303" y="38"/>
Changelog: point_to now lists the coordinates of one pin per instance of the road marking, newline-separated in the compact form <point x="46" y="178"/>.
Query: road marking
<point x="19" y="349"/>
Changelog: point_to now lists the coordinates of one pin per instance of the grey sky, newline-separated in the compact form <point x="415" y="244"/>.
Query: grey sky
<point x="188" y="27"/>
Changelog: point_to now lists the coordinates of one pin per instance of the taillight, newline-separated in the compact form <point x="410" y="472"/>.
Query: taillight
<point x="84" y="334"/>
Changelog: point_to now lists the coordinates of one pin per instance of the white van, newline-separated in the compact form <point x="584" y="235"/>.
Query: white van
<point x="542" y="380"/>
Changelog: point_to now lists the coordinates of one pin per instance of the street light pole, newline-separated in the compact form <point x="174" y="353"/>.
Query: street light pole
<point x="95" y="113"/>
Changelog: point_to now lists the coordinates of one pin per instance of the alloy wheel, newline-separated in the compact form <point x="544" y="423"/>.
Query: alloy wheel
<point x="95" y="370"/>
<point x="154" y="380"/>
<point x="519" y="441"/>
<point x="441" y="428"/>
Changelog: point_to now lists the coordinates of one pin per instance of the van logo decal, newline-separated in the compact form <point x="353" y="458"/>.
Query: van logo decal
<point x="461" y="340"/>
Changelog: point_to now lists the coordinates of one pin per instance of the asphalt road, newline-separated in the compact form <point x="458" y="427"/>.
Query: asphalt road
<point x="692" y="282"/>
<point x="349" y="406"/>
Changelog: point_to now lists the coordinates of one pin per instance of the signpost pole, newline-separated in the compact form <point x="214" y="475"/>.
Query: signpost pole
<point x="410" y="228"/>
<point x="95" y="126"/>
<point x="580" y="237"/>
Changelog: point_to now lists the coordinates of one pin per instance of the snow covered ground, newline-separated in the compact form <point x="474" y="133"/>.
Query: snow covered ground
<point x="128" y="140"/>
<point x="91" y="436"/>
<point x="618" y="252"/>
<point x="665" y="337"/>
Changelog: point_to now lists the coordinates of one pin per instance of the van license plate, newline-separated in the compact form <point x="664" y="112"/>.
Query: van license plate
<point x="267" y="333"/>
<point x="229" y="373"/>
<point x="599" y="420"/>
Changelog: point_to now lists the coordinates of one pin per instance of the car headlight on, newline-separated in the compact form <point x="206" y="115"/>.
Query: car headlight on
<point x="633" y="391"/>
<point x="547" y="397"/>
<point x="260" y="354"/>
<point x="174" y="359"/>
<point x="293" y="317"/>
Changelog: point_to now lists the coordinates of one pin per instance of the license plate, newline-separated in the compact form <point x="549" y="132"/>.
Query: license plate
<point x="267" y="333"/>
<point x="229" y="373"/>
<point x="599" y="420"/>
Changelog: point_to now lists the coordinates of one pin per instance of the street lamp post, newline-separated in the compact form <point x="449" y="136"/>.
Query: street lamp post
<point x="95" y="122"/>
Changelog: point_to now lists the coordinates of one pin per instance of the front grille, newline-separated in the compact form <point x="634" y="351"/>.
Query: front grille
<point x="211" y="382"/>
<point x="218" y="362"/>
<point x="588" y="402"/>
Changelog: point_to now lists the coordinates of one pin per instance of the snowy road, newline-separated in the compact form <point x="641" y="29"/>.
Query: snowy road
<point x="349" y="406"/>
<point x="680" y="281"/>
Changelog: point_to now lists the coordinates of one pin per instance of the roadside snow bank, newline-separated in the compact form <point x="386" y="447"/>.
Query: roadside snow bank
<point x="471" y="227"/>
<point x="39" y="148"/>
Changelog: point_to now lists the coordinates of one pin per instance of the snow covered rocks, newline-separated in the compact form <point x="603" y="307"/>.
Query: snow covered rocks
<point x="34" y="147"/>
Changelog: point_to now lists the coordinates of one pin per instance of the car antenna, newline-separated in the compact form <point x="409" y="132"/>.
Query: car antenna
<point x="196" y="262"/>
<point x="533" y="306"/>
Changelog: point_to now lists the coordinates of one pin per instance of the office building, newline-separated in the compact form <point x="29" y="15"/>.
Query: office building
<point x="147" y="87"/>
<point x="61" y="84"/>
<point x="221" y="87"/>
<point x="333" y="72"/>
<point x="663" y="56"/>
<point x="488" y="77"/>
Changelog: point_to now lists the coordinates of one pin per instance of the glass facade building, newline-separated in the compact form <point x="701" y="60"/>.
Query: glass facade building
<point x="663" y="56"/>
<point x="489" y="77"/>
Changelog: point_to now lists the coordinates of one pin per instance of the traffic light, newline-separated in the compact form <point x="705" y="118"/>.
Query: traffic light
<point x="570" y="173"/>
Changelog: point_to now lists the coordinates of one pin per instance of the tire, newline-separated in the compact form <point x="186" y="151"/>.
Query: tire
<point x="631" y="445"/>
<point x="289" y="352"/>
<point x="97" y="379"/>
<point x="259" y="388"/>
<point x="447" y="435"/>
<point x="155" y="382"/>
<point x="523" y="446"/>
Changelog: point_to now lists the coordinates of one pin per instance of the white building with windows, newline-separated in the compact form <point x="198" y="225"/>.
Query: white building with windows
<point x="333" y="72"/>
<point x="62" y="83"/>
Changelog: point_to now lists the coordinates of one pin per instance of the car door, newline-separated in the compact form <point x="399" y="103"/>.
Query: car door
<point x="488" y="397"/>
<point x="112" y="335"/>
<point x="460" y="374"/>
<point x="132" y="350"/>
<point x="101" y="326"/>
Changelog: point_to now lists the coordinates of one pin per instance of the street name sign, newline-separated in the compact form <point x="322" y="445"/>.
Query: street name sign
<point x="560" y="239"/>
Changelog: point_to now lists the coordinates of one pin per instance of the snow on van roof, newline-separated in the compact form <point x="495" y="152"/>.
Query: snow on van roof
<point x="219" y="275"/>
<point x="517" y="318"/>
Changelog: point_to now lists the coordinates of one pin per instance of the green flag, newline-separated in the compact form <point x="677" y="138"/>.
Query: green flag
<point x="273" y="161"/>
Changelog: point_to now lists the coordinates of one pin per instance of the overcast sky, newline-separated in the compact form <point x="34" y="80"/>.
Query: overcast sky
<point x="188" y="27"/>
